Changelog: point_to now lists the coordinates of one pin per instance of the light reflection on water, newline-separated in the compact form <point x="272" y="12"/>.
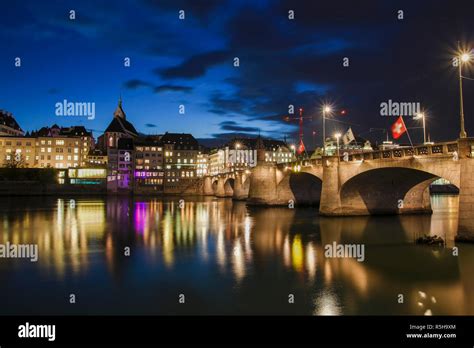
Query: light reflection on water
<point x="227" y="258"/>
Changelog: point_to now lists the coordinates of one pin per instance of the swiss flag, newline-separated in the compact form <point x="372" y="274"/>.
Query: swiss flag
<point x="398" y="128"/>
<point x="301" y="147"/>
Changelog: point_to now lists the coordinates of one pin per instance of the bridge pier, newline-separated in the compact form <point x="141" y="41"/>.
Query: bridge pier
<point x="220" y="190"/>
<point x="241" y="187"/>
<point x="263" y="185"/>
<point x="207" y="186"/>
<point x="466" y="191"/>
<point x="330" y="203"/>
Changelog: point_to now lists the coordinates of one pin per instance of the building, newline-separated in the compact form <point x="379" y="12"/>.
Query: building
<point x="50" y="147"/>
<point x="117" y="144"/>
<point x="18" y="151"/>
<point x="149" y="164"/>
<point x="97" y="158"/>
<point x="121" y="166"/>
<point x="202" y="167"/>
<point x="63" y="147"/>
<point x="8" y="125"/>
<point x="118" y="128"/>
<point x="180" y="160"/>
<point x="83" y="176"/>
<point x="241" y="154"/>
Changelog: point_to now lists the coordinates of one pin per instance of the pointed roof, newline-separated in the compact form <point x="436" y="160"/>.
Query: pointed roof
<point x="7" y="119"/>
<point x="119" y="123"/>
<point x="119" y="111"/>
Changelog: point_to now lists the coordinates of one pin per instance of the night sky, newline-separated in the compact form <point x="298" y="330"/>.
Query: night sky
<point x="282" y="62"/>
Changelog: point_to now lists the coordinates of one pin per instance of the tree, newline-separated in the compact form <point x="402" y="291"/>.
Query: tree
<point x="16" y="161"/>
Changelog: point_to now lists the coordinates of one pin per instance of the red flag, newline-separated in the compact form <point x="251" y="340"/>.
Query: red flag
<point x="301" y="147"/>
<point x="398" y="128"/>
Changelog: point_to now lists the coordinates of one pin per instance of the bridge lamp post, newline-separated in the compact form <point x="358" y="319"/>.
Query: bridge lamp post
<point x="463" y="58"/>
<point x="337" y="135"/>
<point x="293" y="148"/>
<point x="326" y="110"/>
<point x="422" y="116"/>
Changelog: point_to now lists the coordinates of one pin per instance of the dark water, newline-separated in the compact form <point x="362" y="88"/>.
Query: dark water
<point x="226" y="258"/>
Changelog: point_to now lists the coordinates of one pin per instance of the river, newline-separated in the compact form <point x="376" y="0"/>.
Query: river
<point x="121" y="255"/>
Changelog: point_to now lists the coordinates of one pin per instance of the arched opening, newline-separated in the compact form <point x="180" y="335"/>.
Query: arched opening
<point x="306" y="188"/>
<point x="229" y="187"/>
<point x="214" y="186"/>
<point x="387" y="191"/>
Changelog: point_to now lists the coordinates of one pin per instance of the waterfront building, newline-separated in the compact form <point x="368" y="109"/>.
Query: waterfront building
<point x="241" y="154"/>
<point x="202" y="166"/>
<point x="97" y="158"/>
<point x="118" y="128"/>
<point x="62" y="147"/>
<point x="117" y="144"/>
<point x="83" y="176"/>
<point x="180" y="160"/>
<point x="17" y="151"/>
<point x="49" y="147"/>
<point x="216" y="162"/>
<point x="8" y="124"/>
<point x="121" y="166"/>
<point x="148" y="164"/>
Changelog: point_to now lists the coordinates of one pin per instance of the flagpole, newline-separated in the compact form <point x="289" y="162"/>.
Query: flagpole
<point x="408" y="133"/>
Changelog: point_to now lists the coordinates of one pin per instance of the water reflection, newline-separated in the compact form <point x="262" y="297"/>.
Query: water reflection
<point x="238" y="259"/>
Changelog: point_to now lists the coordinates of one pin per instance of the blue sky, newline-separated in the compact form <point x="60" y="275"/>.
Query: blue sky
<point x="190" y="62"/>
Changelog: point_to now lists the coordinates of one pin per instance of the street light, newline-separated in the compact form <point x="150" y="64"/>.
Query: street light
<point x="337" y="135"/>
<point x="463" y="58"/>
<point x="422" y="116"/>
<point x="292" y="147"/>
<point x="326" y="110"/>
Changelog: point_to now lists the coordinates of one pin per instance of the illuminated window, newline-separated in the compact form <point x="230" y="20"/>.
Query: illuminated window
<point x="59" y="142"/>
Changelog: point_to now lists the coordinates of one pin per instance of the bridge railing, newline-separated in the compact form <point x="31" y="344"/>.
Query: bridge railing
<point x="446" y="148"/>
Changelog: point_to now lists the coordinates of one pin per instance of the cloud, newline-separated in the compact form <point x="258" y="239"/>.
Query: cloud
<point x="136" y="83"/>
<point x="150" y="125"/>
<point x="195" y="66"/>
<point x="201" y="9"/>
<point x="235" y="127"/>
<point x="172" y="88"/>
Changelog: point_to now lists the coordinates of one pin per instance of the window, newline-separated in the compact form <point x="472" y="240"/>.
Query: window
<point x="59" y="142"/>
<point x="49" y="149"/>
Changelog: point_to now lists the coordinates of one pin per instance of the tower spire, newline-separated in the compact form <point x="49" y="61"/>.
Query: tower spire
<point x="119" y="111"/>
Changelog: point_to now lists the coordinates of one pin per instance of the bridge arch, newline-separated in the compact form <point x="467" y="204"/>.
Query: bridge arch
<point x="229" y="185"/>
<point x="302" y="188"/>
<point x="388" y="190"/>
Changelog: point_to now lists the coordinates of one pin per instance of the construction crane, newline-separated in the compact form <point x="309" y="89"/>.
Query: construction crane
<point x="301" y="148"/>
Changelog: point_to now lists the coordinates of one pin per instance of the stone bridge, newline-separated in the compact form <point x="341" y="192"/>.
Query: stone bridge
<point x="392" y="181"/>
